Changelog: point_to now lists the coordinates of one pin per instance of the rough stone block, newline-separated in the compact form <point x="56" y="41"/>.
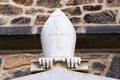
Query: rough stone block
<point x="113" y="3"/>
<point x="114" y="70"/>
<point x="41" y="10"/>
<point x="50" y="11"/>
<point x="21" y="20"/>
<point x="100" y="1"/>
<point x="8" y="78"/>
<point x="31" y="11"/>
<point x="72" y="11"/>
<point x="75" y="20"/>
<point x="41" y="19"/>
<point x="98" y="66"/>
<point x="20" y="73"/>
<point x="49" y="3"/>
<point x="92" y="7"/>
<point x="103" y="17"/>
<point x="78" y="2"/>
<point x="18" y="60"/>
<point x="10" y="10"/>
<point x="34" y="11"/>
<point x="97" y="73"/>
<point x="24" y="2"/>
<point x="15" y="73"/>
<point x="91" y="56"/>
<point x="3" y="20"/>
<point x="4" y="0"/>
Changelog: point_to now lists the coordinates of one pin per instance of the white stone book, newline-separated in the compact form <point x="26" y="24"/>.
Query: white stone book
<point x="62" y="74"/>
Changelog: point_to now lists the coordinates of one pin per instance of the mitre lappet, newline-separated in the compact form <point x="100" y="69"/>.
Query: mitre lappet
<point x="58" y="39"/>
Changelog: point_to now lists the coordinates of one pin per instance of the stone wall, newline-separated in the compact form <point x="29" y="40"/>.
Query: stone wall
<point x="80" y="12"/>
<point x="14" y="65"/>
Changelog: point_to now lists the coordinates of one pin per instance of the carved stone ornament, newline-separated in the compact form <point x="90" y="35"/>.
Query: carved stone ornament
<point x="58" y="39"/>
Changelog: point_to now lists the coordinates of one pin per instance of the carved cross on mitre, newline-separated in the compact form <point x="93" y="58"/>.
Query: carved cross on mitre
<point x="58" y="39"/>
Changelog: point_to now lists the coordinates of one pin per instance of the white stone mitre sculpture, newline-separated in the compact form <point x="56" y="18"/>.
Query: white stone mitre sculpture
<point x="58" y="39"/>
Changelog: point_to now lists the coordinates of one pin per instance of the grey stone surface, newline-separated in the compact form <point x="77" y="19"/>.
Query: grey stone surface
<point x="21" y="20"/>
<point x="8" y="78"/>
<point x="49" y="3"/>
<point x="72" y="11"/>
<point x="79" y="2"/>
<point x="40" y="19"/>
<point x="75" y="20"/>
<point x="21" y="73"/>
<point x="113" y="3"/>
<point x="99" y="66"/>
<point x="100" y="1"/>
<point x="92" y="8"/>
<point x="103" y="29"/>
<point x="10" y="10"/>
<point x="114" y="70"/>
<point x="24" y="2"/>
<point x="62" y="74"/>
<point x="103" y="17"/>
<point x="27" y="30"/>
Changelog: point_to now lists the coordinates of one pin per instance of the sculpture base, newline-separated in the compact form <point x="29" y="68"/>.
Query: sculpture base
<point x="35" y="66"/>
<point x="62" y="74"/>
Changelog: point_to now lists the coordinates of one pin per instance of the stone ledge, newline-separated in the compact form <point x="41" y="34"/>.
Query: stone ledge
<point x="28" y="30"/>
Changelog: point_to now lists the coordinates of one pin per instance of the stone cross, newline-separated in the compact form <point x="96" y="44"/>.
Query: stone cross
<point x="58" y="39"/>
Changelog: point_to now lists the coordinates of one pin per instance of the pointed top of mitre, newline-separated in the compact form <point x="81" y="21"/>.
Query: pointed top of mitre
<point x="58" y="22"/>
<point x="58" y="12"/>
